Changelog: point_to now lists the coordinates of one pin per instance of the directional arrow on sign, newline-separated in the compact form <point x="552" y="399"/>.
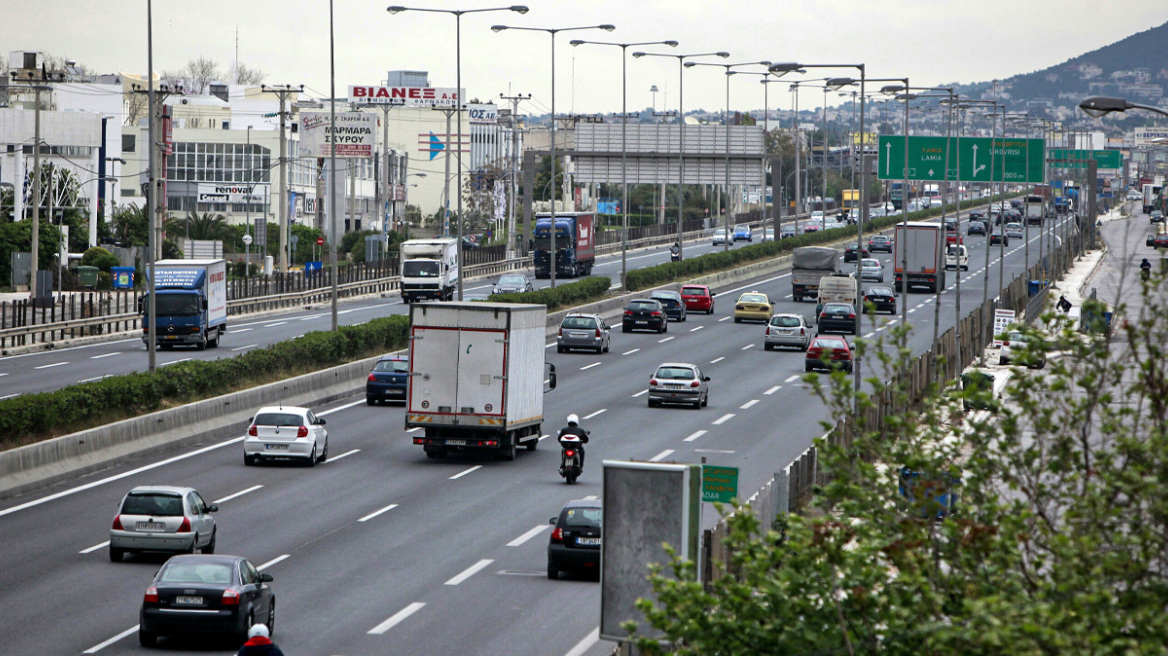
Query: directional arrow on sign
<point x="976" y="169"/>
<point x="888" y="159"/>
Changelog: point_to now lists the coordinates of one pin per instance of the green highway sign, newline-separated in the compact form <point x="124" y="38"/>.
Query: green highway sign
<point x="1104" y="159"/>
<point x="719" y="483"/>
<point x="971" y="159"/>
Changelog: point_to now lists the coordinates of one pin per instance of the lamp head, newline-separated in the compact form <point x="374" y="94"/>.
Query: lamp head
<point x="498" y="28"/>
<point x="519" y="9"/>
<point x="395" y="9"/>
<point x="723" y="54"/>
<point x="891" y="89"/>
<point x="1098" y="106"/>
<point x="906" y="96"/>
<point x="690" y="64"/>
<point x="837" y="82"/>
<point x="607" y="28"/>
<point x="671" y="44"/>
<point x="575" y="42"/>
<point x="784" y="67"/>
<point x="638" y="54"/>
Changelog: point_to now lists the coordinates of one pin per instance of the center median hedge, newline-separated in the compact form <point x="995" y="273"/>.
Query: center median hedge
<point x="581" y="292"/>
<point x="733" y="258"/>
<point x="35" y="417"/>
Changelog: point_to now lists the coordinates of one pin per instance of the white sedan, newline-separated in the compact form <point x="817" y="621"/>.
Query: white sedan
<point x="1014" y="230"/>
<point x="871" y="269"/>
<point x="286" y="432"/>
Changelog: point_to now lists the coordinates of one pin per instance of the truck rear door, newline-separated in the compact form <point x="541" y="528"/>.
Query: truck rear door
<point x="481" y="360"/>
<point x="433" y="370"/>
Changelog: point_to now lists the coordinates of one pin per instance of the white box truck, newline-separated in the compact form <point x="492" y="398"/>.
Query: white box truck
<point x="429" y="269"/>
<point x="922" y="245"/>
<point x="191" y="303"/>
<point x="477" y="376"/>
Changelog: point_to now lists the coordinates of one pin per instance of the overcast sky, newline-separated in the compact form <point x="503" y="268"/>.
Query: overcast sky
<point x="932" y="41"/>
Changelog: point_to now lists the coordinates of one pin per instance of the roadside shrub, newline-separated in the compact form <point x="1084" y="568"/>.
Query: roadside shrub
<point x="580" y="292"/>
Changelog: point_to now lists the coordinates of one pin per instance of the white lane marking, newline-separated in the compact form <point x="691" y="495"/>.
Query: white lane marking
<point x="98" y="357"/>
<point x="553" y="343"/>
<point x="723" y="419"/>
<point x="167" y="364"/>
<point x="792" y="379"/>
<point x="717" y="360"/>
<point x="251" y="346"/>
<point x="94" y="547"/>
<point x="229" y="497"/>
<point x="49" y="366"/>
<point x="749" y="404"/>
<point x="712" y="451"/>
<point x="273" y="561"/>
<point x="695" y="436"/>
<point x="465" y="472"/>
<point x="661" y="456"/>
<point x="338" y="408"/>
<point x="867" y="336"/>
<point x="724" y="319"/>
<point x="279" y="323"/>
<point x="910" y="311"/>
<point x="8" y="396"/>
<point x="116" y="477"/>
<point x="692" y="330"/>
<point x="102" y="645"/>
<point x="662" y="341"/>
<point x="95" y="378"/>
<point x="747" y="347"/>
<point x="598" y="412"/>
<point x="628" y="352"/>
<point x="343" y="455"/>
<point x="528" y="535"/>
<point x="469" y="571"/>
<point x="587" y="367"/>
<point x="590" y="497"/>
<point x="584" y="645"/>
<point x="543" y="437"/>
<point x="375" y="513"/>
<point x="241" y="330"/>
<point x="773" y="390"/>
<point x="397" y="617"/>
<point x="641" y="393"/>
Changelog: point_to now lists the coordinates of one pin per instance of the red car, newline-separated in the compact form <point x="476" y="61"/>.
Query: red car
<point x="834" y="349"/>
<point x="698" y="298"/>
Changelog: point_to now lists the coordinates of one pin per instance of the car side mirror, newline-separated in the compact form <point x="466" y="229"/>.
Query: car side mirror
<point x="706" y="379"/>
<point x="320" y="421"/>
<point x="551" y="376"/>
<point x="713" y="294"/>
<point x="249" y="420"/>
<point x="205" y="304"/>
<point x="212" y="508"/>
<point x="266" y="578"/>
<point x="552" y="520"/>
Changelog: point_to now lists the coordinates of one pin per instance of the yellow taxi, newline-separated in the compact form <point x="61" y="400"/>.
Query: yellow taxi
<point x="753" y="306"/>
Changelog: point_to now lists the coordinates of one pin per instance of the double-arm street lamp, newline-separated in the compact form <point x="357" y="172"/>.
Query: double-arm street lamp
<point x="728" y="72"/>
<point x="551" y="31"/>
<point x="624" y="141"/>
<point x="681" y="61"/>
<point x="458" y="13"/>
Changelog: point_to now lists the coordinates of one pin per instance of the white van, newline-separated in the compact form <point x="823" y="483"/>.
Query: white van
<point x="842" y="288"/>
<point x="956" y="255"/>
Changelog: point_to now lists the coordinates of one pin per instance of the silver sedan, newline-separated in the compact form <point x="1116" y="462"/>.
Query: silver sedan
<point x="871" y="269"/>
<point x="787" y="330"/>
<point x="162" y="518"/>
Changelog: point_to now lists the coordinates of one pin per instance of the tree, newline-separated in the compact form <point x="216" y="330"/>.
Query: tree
<point x="130" y="225"/>
<point x="202" y="226"/>
<point x="1057" y="545"/>
<point x="244" y="74"/>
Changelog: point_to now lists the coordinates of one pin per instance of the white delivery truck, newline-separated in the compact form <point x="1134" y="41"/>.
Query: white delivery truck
<point x="429" y="269"/>
<point x="477" y="376"/>
<point x="922" y="246"/>
<point x="191" y="303"/>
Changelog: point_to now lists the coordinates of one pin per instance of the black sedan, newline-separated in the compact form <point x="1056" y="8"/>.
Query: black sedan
<point x="221" y="595"/>
<point x="838" y="318"/>
<point x="512" y="283"/>
<point x="575" y="542"/>
<point x="388" y="380"/>
<point x="850" y="253"/>
<point x="645" y="314"/>
<point x="976" y="226"/>
<point x="999" y="237"/>
<point x="672" y="302"/>
<point x="880" y="299"/>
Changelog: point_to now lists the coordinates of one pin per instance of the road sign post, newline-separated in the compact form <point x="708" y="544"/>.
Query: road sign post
<point x="926" y="159"/>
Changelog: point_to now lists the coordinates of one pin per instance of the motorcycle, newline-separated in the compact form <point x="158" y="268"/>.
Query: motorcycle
<point x="674" y="254"/>
<point x="1145" y="272"/>
<point x="571" y="460"/>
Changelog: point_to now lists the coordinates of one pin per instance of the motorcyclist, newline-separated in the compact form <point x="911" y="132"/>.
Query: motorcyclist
<point x="575" y="435"/>
<point x="1145" y="268"/>
<point x="675" y="250"/>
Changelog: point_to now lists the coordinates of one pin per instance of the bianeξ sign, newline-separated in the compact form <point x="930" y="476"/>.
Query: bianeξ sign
<point x="404" y="96"/>
<point x="354" y="134"/>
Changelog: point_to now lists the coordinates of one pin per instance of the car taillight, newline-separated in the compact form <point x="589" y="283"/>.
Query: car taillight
<point x="151" y="596"/>
<point x="302" y="431"/>
<point x="695" y="384"/>
<point x="557" y="534"/>
<point x="185" y="527"/>
<point x="846" y="354"/>
<point x="628" y="313"/>
<point x="768" y="330"/>
<point x="655" y="313"/>
<point x="118" y="523"/>
<point x="802" y="331"/>
<point x="1005" y="343"/>
<point x="230" y="597"/>
<point x="253" y="432"/>
<point x="653" y="383"/>
<point x="561" y="331"/>
<point x="851" y="315"/>
<point x="372" y="378"/>
<point x="814" y="352"/>
<point x="598" y="333"/>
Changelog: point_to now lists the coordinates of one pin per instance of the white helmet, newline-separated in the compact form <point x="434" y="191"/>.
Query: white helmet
<point x="258" y="630"/>
<point x="573" y="420"/>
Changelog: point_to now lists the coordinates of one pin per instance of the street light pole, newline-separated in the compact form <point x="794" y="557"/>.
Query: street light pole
<point x="624" y="145"/>
<point x="551" y="31"/>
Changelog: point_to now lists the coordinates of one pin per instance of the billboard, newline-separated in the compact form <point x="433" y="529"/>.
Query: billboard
<point x="404" y="96"/>
<point x="210" y="192"/>
<point x="482" y="114"/>
<point x="355" y="134"/>
<point x="1144" y="136"/>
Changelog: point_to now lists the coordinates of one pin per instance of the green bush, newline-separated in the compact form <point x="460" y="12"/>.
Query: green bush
<point x="90" y="257"/>
<point x="580" y="292"/>
<point x="104" y="262"/>
<point x="32" y="417"/>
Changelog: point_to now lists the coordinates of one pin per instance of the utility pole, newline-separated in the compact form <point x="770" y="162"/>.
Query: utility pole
<point x="512" y="244"/>
<point x="384" y="173"/>
<point x="283" y="91"/>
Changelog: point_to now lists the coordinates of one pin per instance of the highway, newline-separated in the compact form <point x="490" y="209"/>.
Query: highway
<point x="381" y="550"/>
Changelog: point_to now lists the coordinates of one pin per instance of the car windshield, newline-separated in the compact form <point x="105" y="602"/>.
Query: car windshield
<point x="753" y="298"/>
<point x="785" y="322"/>
<point x="675" y="373"/>
<point x="582" y="518"/>
<point x="420" y="269"/>
<point x="512" y="280"/>
<point x="693" y="291"/>
<point x="196" y="573"/>
<point x="277" y="419"/>
<point x="394" y="366"/>
<point x="583" y="323"/>
<point x="153" y="503"/>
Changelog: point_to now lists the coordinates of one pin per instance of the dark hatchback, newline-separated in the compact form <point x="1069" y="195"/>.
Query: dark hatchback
<point x="977" y="226"/>
<point x="645" y="314"/>
<point x="881" y="299"/>
<point x="575" y="541"/>
<point x="388" y="380"/>
<point x="218" y="595"/>
<point x="838" y="318"/>
<point x="672" y="302"/>
<point x="850" y="253"/>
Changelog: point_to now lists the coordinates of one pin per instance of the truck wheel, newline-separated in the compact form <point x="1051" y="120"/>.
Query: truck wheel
<point x="532" y="443"/>
<point x="202" y="345"/>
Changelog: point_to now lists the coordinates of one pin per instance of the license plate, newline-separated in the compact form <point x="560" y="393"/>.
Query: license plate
<point x="276" y="447"/>
<point x="150" y="526"/>
<point x="169" y="337"/>
<point x="786" y="332"/>
<point x="674" y="386"/>
<point x="188" y="601"/>
<point x="588" y="542"/>
<point x="640" y="322"/>
<point x="579" y="335"/>
<point x="456" y="442"/>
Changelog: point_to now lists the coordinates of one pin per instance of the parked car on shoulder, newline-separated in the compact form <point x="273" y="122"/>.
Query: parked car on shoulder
<point x="644" y="314"/>
<point x="787" y="330"/>
<point x="583" y="331"/>
<point x="672" y="302"/>
<point x="575" y="541"/>
<point x="698" y="298"/>
<point x="286" y="432"/>
<point x="153" y="518"/>
<point x="679" y="382"/>
<point x="881" y="299"/>
<point x="828" y="353"/>
<point x="389" y="379"/>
